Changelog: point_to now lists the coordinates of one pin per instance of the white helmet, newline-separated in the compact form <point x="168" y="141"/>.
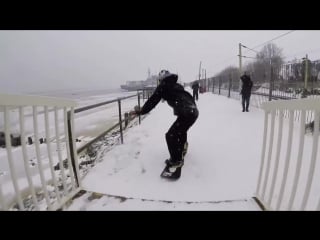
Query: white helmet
<point x="163" y="74"/>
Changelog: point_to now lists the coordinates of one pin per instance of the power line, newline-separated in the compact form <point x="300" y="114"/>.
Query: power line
<point x="249" y="57"/>
<point x="249" y="48"/>
<point x="282" y="35"/>
<point x="252" y="49"/>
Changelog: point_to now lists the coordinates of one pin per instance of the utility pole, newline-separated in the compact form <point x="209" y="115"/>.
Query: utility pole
<point x="202" y="74"/>
<point x="205" y="76"/>
<point x="199" y="71"/>
<point x="240" y="65"/>
<point x="203" y="81"/>
<point x="271" y="81"/>
<point x="306" y="74"/>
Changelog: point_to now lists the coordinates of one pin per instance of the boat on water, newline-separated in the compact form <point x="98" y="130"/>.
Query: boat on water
<point x="133" y="85"/>
<point x="150" y="82"/>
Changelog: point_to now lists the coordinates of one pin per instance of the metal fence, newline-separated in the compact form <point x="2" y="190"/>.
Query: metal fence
<point x="88" y="152"/>
<point x="285" y="82"/>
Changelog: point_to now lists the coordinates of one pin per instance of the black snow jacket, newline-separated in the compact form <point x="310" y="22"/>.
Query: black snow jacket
<point x="180" y="100"/>
<point x="246" y="85"/>
<point x="195" y="86"/>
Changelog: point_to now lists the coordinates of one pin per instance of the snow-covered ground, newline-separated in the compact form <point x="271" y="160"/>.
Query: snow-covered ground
<point x="220" y="171"/>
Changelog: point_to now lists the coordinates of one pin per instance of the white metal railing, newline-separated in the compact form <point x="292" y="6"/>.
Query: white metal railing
<point x="23" y="186"/>
<point x="289" y="176"/>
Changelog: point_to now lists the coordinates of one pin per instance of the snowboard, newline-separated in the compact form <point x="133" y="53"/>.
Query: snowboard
<point x="174" y="172"/>
<point x="171" y="172"/>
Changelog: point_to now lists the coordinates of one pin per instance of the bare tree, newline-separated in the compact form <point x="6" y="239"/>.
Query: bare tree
<point x="227" y="73"/>
<point x="271" y="52"/>
<point x="260" y="69"/>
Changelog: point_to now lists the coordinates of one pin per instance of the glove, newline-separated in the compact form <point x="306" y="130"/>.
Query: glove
<point x="137" y="109"/>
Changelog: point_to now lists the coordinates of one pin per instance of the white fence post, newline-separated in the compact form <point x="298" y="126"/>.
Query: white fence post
<point x="10" y="158"/>
<point x="39" y="158"/>
<point x="63" y="176"/>
<point x="299" y="160"/>
<point x="25" y="158"/>
<point x="287" y="160"/>
<point x="263" y="151"/>
<point x="275" y="171"/>
<point x="269" y="155"/>
<point x="48" y="137"/>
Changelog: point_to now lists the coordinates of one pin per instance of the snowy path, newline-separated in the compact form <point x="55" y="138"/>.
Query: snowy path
<point x="220" y="171"/>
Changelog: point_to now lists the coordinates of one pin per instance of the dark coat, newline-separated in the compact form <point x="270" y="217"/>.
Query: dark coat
<point x="180" y="100"/>
<point x="246" y="85"/>
<point x="195" y="86"/>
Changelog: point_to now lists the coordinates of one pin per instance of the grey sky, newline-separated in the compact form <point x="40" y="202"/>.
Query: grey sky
<point x="53" y="60"/>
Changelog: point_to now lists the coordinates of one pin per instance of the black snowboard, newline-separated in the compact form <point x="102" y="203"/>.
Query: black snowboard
<point x="170" y="172"/>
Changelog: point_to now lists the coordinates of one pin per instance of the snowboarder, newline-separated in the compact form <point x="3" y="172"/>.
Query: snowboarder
<point x="184" y="108"/>
<point x="246" y="91"/>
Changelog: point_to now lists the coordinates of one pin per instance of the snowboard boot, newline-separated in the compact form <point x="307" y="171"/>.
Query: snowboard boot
<point x="172" y="170"/>
<point x="170" y="163"/>
<point x="171" y="173"/>
<point x="184" y="152"/>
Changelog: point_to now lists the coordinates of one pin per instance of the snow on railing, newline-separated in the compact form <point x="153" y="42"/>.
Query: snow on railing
<point x="289" y="175"/>
<point x="23" y="186"/>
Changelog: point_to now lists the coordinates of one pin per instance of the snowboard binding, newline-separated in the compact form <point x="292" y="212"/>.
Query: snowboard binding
<point x="184" y="152"/>
<point x="172" y="172"/>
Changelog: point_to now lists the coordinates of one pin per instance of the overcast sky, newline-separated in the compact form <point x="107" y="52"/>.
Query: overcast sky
<point x="52" y="60"/>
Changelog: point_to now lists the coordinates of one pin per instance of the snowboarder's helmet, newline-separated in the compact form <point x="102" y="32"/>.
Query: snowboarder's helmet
<point x="163" y="74"/>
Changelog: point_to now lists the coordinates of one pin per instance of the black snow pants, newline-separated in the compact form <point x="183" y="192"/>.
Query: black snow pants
<point x="245" y="102"/>
<point x="176" y="136"/>
<point x="195" y="95"/>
